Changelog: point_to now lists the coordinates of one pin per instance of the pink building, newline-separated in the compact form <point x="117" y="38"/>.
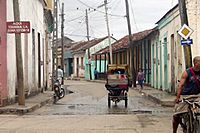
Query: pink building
<point x="3" y="52"/>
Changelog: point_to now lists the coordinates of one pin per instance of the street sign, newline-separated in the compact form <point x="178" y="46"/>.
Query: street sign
<point x="188" y="42"/>
<point x="18" y="27"/>
<point x="185" y="31"/>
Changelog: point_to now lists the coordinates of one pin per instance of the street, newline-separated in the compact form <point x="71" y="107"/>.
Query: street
<point x="85" y="110"/>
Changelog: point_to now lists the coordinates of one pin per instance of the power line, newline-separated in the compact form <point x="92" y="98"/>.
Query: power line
<point x="98" y="10"/>
<point x="78" y="35"/>
<point x="75" y="18"/>
<point x="134" y="20"/>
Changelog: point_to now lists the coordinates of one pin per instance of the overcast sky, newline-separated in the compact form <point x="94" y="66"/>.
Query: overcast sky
<point x="143" y="14"/>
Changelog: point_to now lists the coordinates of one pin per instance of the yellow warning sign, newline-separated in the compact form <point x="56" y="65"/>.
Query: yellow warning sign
<point x="185" y="31"/>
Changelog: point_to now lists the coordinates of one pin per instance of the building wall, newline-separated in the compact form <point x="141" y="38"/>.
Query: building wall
<point x="29" y="11"/>
<point x="168" y="27"/>
<point x="93" y="50"/>
<point x="3" y="52"/>
<point x="171" y="50"/>
<point x="78" y="69"/>
<point x="193" y="11"/>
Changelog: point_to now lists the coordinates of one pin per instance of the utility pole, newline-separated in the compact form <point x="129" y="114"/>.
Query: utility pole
<point x="54" y="43"/>
<point x="88" y="38"/>
<point x="62" y="36"/>
<point x="184" y="20"/>
<point x="87" y="25"/>
<point x="109" y="39"/>
<point x="131" y="45"/>
<point x="19" y="60"/>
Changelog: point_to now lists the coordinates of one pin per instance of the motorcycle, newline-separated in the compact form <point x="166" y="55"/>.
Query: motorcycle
<point x="59" y="91"/>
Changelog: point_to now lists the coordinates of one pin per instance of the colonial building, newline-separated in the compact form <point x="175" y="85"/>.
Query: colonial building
<point x="168" y="57"/>
<point x="34" y="48"/>
<point x="83" y="64"/>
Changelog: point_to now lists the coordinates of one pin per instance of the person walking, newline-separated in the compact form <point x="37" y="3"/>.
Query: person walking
<point x="140" y="78"/>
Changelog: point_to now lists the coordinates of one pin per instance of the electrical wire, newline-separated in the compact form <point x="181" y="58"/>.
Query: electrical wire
<point x="134" y="20"/>
<point x="99" y="10"/>
<point x="99" y="32"/>
<point x="71" y="20"/>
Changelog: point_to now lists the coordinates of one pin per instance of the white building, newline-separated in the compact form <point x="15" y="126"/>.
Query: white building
<point x="34" y="45"/>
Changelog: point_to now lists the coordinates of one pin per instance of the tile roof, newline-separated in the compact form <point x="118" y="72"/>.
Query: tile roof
<point x="123" y="42"/>
<point x="83" y="45"/>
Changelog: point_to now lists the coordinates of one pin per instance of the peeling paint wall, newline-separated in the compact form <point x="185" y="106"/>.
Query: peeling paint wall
<point x="168" y="27"/>
<point x="29" y="11"/>
<point x="3" y="46"/>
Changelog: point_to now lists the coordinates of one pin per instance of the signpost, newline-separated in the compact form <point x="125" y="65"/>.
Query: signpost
<point x="186" y="42"/>
<point x="185" y="31"/>
<point x="18" y="27"/>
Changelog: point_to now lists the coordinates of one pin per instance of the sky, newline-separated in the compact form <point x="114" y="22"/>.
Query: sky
<point x="143" y="15"/>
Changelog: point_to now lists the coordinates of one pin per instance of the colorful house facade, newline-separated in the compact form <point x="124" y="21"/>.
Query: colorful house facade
<point x="83" y="65"/>
<point x="168" y="57"/>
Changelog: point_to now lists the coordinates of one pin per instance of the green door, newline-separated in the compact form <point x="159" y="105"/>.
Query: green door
<point x="165" y="64"/>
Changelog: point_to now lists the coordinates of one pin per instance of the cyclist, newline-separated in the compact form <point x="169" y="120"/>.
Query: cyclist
<point x="188" y="81"/>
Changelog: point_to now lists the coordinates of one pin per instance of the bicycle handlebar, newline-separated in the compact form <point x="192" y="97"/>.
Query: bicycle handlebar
<point x="191" y="102"/>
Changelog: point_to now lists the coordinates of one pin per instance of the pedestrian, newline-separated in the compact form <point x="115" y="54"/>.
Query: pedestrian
<point x="95" y="73"/>
<point x="140" y="78"/>
<point x="60" y="76"/>
<point x="188" y="85"/>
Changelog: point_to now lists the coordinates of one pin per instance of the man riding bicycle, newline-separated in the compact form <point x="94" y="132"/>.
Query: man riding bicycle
<point x="190" y="81"/>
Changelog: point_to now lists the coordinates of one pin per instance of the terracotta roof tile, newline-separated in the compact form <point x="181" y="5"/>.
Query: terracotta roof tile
<point x="123" y="42"/>
<point x="83" y="45"/>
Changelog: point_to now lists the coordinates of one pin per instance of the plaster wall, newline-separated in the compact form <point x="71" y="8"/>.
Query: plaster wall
<point x="29" y="11"/>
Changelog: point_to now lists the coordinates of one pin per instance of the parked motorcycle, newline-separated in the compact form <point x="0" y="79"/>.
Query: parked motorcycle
<point x="59" y="91"/>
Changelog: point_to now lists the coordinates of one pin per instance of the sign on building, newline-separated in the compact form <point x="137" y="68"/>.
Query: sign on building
<point x="185" y="31"/>
<point x="186" y="42"/>
<point x="18" y="27"/>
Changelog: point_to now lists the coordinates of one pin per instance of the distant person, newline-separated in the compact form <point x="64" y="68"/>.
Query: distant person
<point x="140" y="78"/>
<point x="95" y="73"/>
<point x="60" y="75"/>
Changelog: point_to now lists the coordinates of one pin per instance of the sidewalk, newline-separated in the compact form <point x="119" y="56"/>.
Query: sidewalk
<point x="31" y="104"/>
<point x="158" y="96"/>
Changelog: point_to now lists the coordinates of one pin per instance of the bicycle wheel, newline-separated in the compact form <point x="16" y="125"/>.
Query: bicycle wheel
<point x="191" y="120"/>
<point x="196" y="125"/>
<point x="186" y="123"/>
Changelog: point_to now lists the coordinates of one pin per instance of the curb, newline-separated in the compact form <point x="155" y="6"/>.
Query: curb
<point x="21" y="110"/>
<point x="24" y="110"/>
<point x="158" y="101"/>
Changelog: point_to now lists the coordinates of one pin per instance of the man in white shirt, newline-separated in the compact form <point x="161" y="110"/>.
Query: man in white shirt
<point x="60" y="74"/>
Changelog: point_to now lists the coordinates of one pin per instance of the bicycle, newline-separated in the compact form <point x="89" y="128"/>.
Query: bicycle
<point x="189" y="120"/>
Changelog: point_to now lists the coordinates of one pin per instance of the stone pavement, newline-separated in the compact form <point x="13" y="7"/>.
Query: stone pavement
<point x="32" y="103"/>
<point x="35" y="102"/>
<point x="158" y="96"/>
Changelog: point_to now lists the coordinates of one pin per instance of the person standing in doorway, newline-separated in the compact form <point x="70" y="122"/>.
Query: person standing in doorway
<point x="95" y="73"/>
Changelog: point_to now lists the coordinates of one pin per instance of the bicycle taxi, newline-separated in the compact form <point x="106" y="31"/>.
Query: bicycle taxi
<point x="117" y="83"/>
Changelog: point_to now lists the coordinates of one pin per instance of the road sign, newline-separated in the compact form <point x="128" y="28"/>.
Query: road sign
<point x="185" y="31"/>
<point x="18" y="27"/>
<point x="188" y="42"/>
